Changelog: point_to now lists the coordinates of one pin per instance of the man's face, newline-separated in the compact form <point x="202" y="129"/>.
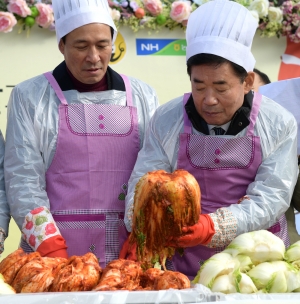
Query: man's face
<point x="217" y="92"/>
<point x="87" y="51"/>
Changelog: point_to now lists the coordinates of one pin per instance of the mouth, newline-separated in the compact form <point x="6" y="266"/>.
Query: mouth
<point x="92" y="71"/>
<point x="212" y="113"/>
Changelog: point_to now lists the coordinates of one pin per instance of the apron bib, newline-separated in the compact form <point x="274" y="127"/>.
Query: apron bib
<point x="223" y="167"/>
<point x="86" y="183"/>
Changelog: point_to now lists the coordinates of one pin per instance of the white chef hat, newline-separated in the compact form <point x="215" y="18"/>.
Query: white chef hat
<point x="71" y="14"/>
<point x="223" y="28"/>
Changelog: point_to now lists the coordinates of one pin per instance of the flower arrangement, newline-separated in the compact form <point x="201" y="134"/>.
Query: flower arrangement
<point x="274" y="18"/>
<point x="151" y="14"/>
<point x="25" y="14"/>
<point x="291" y="20"/>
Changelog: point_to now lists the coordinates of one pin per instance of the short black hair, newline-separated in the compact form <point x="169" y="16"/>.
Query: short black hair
<point x="111" y="31"/>
<point x="214" y="60"/>
<point x="263" y="77"/>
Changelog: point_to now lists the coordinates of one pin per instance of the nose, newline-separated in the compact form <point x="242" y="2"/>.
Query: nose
<point x="93" y="55"/>
<point x="209" y="97"/>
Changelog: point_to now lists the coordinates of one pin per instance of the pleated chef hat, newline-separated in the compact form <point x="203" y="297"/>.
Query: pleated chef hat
<point x="223" y="28"/>
<point x="71" y="14"/>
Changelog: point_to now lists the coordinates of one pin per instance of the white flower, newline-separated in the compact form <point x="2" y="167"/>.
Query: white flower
<point x="115" y="14"/>
<point x="255" y="15"/>
<point x="261" y="6"/>
<point x="275" y="14"/>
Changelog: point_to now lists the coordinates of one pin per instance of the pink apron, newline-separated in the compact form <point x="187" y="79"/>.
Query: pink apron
<point x="223" y="167"/>
<point x="87" y="180"/>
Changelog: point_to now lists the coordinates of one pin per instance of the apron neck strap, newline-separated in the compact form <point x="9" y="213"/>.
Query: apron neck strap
<point x="63" y="100"/>
<point x="186" y="121"/>
<point x="254" y="112"/>
<point x="128" y="90"/>
<point x="56" y="87"/>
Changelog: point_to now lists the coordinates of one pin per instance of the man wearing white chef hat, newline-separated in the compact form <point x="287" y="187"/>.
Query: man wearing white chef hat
<point x="239" y="145"/>
<point x="73" y="136"/>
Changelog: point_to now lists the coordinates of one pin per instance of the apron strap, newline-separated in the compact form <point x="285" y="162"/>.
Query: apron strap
<point x="254" y="113"/>
<point x="187" y="124"/>
<point x="56" y="87"/>
<point x="128" y="90"/>
<point x="63" y="100"/>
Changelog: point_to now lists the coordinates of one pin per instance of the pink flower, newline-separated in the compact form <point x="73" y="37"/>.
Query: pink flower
<point x="31" y="240"/>
<point x="19" y="7"/>
<point x="45" y="17"/>
<point x="7" y="22"/>
<point x="50" y="229"/>
<point x="180" y="10"/>
<point x="154" y="7"/>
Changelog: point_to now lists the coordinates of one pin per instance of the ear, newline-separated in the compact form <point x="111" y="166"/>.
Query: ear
<point x="61" y="46"/>
<point x="249" y="82"/>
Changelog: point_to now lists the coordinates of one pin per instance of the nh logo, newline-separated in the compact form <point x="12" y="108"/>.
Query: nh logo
<point x="149" y="47"/>
<point x="157" y="46"/>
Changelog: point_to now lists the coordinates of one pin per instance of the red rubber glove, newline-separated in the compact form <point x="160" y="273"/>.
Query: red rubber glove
<point x="61" y="253"/>
<point x="128" y="251"/>
<point x="198" y="234"/>
<point x="54" y="247"/>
